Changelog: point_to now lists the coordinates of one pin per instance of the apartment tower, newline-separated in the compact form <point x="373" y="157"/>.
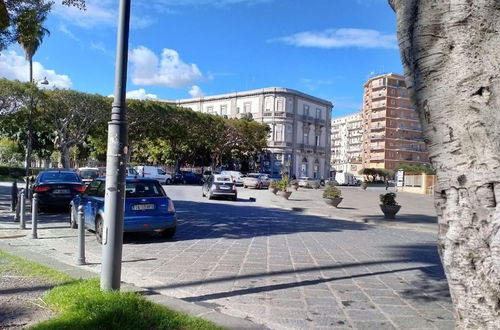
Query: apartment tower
<point x="392" y="134"/>
<point x="347" y="135"/>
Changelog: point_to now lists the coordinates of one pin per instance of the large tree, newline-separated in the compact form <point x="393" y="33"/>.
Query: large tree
<point x="450" y="51"/>
<point x="72" y="115"/>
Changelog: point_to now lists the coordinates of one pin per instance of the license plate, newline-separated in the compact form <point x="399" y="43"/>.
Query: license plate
<point x="224" y="187"/>
<point x="61" y="191"/>
<point x="143" y="207"/>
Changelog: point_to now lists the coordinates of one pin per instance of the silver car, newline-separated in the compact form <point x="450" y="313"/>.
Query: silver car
<point x="256" y="180"/>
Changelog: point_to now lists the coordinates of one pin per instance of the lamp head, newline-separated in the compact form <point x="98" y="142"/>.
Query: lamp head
<point x="44" y="81"/>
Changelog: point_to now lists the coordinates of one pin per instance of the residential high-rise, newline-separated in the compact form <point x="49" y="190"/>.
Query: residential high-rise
<point x="392" y="134"/>
<point x="299" y="123"/>
<point x="347" y="135"/>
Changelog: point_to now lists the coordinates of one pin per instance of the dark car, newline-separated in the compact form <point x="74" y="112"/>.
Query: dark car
<point x="56" y="188"/>
<point x="187" y="177"/>
<point x="147" y="208"/>
<point x="219" y="185"/>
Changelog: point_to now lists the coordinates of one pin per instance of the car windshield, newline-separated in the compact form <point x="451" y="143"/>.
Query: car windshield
<point x="143" y="189"/>
<point x="222" y="179"/>
<point x="252" y="175"/>
<point x="89" y="174"/>
<point x="132" y="172"/>
<point x="59" y="177"/>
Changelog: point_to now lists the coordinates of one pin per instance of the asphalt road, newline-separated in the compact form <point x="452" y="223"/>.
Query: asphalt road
<point x="276" y="267"/>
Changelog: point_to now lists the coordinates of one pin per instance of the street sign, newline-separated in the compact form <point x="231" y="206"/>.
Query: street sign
<point x="400" y="178"/>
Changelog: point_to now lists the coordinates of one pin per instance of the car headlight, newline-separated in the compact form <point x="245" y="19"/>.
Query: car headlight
<point x="213" y="186"/>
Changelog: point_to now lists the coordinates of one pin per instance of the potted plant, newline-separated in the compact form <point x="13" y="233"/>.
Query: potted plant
<point x="294" y="184"/>
<point x="332" y="196"/>
<point x="364" y="185"/>
<point x="389" y="205"/>
<point x="282" y="186"/>
<point x="273" y="187"/>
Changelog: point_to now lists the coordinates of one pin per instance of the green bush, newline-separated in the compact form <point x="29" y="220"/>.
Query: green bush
<point x="316" y="185"/>
<point x="332" y="192"/>
<point x="273" y="184"/>
<point x="388" y="199"/>
<point x="283" y="183"/>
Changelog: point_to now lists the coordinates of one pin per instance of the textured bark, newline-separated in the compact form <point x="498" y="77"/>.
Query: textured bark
<point x="450" y="53"/>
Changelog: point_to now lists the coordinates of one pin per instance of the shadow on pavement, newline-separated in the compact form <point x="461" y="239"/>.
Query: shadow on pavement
<point x="405" y="218"/>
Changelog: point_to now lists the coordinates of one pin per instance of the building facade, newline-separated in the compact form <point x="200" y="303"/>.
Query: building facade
<point x="300" y="126"/>
<point x="347" y="135"/>
<point x="392" y="133"/>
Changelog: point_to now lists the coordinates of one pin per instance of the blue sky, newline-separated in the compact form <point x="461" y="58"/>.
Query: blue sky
<point x="184" y="48"/>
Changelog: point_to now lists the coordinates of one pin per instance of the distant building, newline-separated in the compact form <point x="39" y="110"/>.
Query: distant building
<point x="299" y="123"/>
<point x="347" y="135"/>
<point x="392" y="133"/>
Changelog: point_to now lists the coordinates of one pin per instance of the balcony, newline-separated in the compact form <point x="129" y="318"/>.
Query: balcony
<point x="409" y="128"/>
<point x="377" y="136"/>
<point x="377" y="128"/>
<point x="410" y="148"/>
<point x="377" y="147"/>
<point x="319" y="122"/>
<point x="306" y="119"/>
<point x="279" y="144"/>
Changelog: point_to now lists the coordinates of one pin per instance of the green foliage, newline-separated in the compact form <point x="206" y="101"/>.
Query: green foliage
<point x="316" y="185"/>
<point x="332" y="192"/>
<point x="82" y="305"/>
<point x="416" y="169"/>
<point x="273" y="184"/>
<point x="283" y="183"/>
<point x="10" y="152"/>
<point x="388" y="199"/>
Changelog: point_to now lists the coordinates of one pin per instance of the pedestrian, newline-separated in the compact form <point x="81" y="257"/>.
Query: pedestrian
<point x="386" y="184"/>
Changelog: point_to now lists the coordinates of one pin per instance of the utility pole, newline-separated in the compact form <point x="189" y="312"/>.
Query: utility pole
<point x="116" y="163"/>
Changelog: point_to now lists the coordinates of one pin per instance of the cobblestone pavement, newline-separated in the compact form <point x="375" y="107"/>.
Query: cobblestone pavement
<point x="274" y="266"/>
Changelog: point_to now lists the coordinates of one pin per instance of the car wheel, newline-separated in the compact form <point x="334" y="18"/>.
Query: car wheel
<point x="73" y="220"/>
<point x="245" y="186"/>
<point x="168" y="181"/>
<point x="99" y="229"/>
<point x="202" y="193"/>
<point x="235" y="198"/>
<point x="260" y="186"/>
<point x="169" y="232"/>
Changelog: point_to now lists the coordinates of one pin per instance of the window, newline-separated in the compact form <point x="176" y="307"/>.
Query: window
<point x="268" y="105"/>
<point x="223" y="110"/>
<point x="247" y="107"/>
<point x="161" y="172"/>
<point x="316" y="140"/>
<point x="279" y="105"/>
<point x="306" y="110"/>
<point x="318" y="113"/>
<point x="210" y="110"/>
<point x="306" y="137"/>
<point x="92" y="188"/>
<point x="393" y="102"/>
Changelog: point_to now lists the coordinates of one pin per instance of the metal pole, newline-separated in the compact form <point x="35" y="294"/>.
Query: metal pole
<point x="22" y="223"/>
<point x="34" y="216"/>
<point x="81" y="237"/>
<point x="13" y="196"/>
<point x="114" y="201"/>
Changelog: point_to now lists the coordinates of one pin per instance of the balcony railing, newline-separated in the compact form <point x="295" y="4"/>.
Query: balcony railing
<point x="279" y="144"/>
<point x="377" y="128"/>
<point x="377" y="136"/>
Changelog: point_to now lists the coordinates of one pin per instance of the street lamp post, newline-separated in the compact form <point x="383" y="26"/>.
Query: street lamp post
<point x="29" y="144"/>
<point x="116" y="163"/>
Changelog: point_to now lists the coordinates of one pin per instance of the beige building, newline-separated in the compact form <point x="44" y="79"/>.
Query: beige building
<point x="392" y="133"/>
<point x="347" y="135"/>
<point x="299" y="123"/>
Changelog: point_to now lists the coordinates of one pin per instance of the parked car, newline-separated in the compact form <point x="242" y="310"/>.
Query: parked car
<point x="56" y="188"/>
<point x="256" y="180"/>
<point x="88" y="174"/>
<point x="236" y="176"/>
<point x="306" y="182"/>
<point x="147" y="208"/>
<point x="186" y="177"/>
<point x="153" y="172"/>
<point x="219" y="185"/>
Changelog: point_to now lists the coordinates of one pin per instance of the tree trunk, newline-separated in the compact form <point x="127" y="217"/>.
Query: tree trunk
<point x="450" y="53"/>
<point x="65" y="155"/>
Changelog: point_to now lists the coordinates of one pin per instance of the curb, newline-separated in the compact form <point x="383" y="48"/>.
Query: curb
<point x="179" y="305"/>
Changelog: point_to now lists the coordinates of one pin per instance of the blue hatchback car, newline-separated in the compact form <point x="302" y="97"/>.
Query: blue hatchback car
<point x="147" y="207"/>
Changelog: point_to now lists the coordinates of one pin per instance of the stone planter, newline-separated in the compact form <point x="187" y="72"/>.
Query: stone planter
<point x="390" y="210"/>
<point x="273" y="190"/>
<point x="364" y="185"/>
<point x="284" y="194"/>
<point x="333" y="201"/>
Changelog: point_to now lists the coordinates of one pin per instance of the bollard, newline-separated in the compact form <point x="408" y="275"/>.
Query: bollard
<point x="13" y="197"/>
<point x="34" y="216"/>
<point x="81" y="237"/>
<point x="22" y="209"/>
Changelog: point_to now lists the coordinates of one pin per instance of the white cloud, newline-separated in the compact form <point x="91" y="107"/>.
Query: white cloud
<point x="16" y="67"/>
<point x="140" y="94"/>
<point x="64" y="29"/>
<point x="196" y="91"/>
<point x="169" y="71"/>
<point x="97" y="13"/>
<point x="340" y="38"/>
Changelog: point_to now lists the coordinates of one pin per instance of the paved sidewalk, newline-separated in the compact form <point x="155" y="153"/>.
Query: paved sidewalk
<point x="275" y="267"/>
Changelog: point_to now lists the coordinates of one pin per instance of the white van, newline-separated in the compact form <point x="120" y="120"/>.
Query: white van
<point x="154" y="172"/>
<point x="346" y="179"/>
<point x="236" y="176"/>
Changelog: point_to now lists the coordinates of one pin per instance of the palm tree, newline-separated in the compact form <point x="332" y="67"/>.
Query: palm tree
<point x="29" y="33"/>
